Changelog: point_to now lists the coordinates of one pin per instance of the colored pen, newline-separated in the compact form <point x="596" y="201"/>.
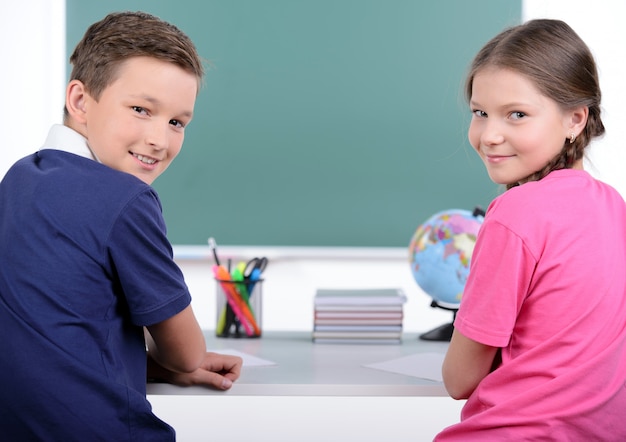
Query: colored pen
<point x="213" y="246"/>
<point x="236" y="302"/>
<point x="222" y="275"/>
<point x="237" y="275"/>
<point x="252" y="271"/>
<point x="221" y="322"/>
<point x="224" y="322"/>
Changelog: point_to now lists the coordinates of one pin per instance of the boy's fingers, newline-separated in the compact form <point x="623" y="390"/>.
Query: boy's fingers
<point x="212" y="379"/>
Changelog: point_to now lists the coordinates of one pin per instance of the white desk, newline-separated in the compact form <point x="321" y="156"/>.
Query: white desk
<point x="304" y="368"/>
<point x="314" y="393"/>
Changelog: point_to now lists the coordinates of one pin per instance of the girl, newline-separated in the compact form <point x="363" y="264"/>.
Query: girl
<point x="539" y="347"/>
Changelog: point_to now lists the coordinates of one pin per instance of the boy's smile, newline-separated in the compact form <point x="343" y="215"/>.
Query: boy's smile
<point x="137" y="124"/>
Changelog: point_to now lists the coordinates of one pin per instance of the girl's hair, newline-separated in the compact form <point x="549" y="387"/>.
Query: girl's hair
<point x="122" y="35"/>
<point x="561" y="66"/>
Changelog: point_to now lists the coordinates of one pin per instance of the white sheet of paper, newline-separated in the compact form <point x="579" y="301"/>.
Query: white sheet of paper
<point x="248" y="360"/>
<point x="419" y="365"/>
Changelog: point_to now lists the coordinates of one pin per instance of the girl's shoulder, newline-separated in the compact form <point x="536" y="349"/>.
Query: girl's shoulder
<point x="559" y="188"/>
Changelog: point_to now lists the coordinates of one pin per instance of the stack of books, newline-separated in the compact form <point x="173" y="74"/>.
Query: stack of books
<point x="358" y="316"/>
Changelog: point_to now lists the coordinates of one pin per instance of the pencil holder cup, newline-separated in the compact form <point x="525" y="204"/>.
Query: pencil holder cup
<point x="239" y="308"/>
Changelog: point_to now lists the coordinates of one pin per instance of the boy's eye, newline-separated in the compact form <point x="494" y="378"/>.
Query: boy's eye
<point x="517" y="115"/>
<point x="177" y="123"/>
<point x="139" y="109"/>
<point x="479" y="113"/>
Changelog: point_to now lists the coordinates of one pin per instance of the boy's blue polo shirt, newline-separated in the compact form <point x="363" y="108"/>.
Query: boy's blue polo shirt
<point x="84" y="264"/>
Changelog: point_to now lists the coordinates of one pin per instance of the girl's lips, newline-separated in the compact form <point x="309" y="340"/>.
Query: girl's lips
<point x="497" y="158"/>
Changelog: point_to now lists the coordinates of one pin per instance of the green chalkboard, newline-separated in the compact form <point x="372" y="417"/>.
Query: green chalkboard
<point x="322" y="122"/>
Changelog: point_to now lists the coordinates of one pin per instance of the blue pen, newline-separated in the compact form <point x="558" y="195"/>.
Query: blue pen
<point x="252" y="271"/>
<point x="252" y="279"/>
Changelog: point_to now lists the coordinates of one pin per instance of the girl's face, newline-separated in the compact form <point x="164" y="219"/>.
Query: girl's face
<point x="515" y="129"/>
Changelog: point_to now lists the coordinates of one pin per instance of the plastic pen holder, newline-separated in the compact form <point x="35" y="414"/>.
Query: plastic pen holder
<point x="239" y="308"/>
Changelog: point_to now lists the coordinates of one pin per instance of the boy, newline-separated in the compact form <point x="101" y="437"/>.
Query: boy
<point x="87" y="281"/>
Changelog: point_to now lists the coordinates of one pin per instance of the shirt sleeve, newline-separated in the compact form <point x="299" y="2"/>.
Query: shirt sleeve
<point x="500" y="275"/>
<point x="151" y="282"/>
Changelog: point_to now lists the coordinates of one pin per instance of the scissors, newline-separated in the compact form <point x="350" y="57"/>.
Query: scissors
<point x="254" y="268"/>
<point x="252" y="271"/>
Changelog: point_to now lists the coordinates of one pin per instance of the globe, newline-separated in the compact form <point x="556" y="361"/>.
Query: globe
<point x="440" y="253"/>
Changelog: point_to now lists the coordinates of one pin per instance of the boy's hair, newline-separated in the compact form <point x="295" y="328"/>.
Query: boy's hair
<point x="122" y="35"/>
<point x="558" y="62"/>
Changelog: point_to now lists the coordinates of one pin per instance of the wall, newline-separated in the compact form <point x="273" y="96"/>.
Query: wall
<point x="32" y="78"/>
<point x="601" y="26"/>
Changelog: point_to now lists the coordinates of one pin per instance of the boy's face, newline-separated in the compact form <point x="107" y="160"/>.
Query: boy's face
<point x="138" y="124"/>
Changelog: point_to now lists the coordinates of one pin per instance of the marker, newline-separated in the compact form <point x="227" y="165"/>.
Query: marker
<point x="243" y="291"/>
<point x="222" y="275"/>
<point x="250" y="280"/>
<point x="221" y="322"/>
<point x="246" y="318"/>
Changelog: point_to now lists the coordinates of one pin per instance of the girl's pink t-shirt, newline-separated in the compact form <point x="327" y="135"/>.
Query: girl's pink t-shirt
<point x="547" y="284"/>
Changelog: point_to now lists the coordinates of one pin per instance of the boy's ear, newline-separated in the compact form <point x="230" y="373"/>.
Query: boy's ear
<point x="75" y="98"/>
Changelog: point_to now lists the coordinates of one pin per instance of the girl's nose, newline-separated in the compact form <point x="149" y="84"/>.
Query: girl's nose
<point x="491" y="134"/>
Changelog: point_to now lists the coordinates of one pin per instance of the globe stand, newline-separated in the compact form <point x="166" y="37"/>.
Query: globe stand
<point x="443" y="332"/>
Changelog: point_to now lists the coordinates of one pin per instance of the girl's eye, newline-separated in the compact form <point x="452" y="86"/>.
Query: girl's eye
<point x="177" y="123"/>
<point x="517" y="115"/>
<point x="139" y="109"/>
<point x="479" y="113"/>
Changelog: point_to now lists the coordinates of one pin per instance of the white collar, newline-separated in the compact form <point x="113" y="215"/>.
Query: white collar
<point x="63" y="138"/>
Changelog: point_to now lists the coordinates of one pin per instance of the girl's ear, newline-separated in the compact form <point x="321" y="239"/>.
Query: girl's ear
<point x="577" y="120"/>
<point x="75" y="98"/>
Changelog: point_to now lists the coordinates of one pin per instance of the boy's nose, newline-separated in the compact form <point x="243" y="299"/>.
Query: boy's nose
<point x="157" y="136"/>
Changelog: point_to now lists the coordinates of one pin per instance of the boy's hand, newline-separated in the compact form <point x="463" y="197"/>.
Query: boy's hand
<point x="216" y="371"/>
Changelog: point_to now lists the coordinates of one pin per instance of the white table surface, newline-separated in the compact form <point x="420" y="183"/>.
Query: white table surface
<point x="305" y="368"/>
